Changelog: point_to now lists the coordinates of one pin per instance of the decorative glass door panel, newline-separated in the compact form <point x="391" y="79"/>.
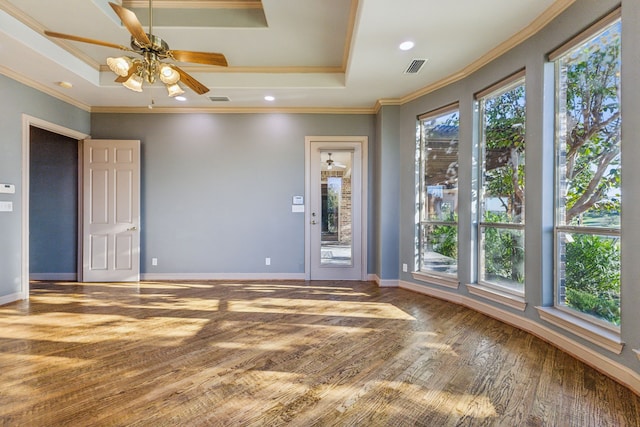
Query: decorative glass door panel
<point x="336" y="214"/>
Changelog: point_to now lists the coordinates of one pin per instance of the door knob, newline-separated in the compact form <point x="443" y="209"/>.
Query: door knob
<point x="134" y="228"/>
<point x="313" y="222"/>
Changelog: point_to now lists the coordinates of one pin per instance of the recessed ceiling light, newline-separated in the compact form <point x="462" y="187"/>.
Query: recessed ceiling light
<point x="408" y="45"/>
<point x="180" y="98"/>
<point x="269" y="98"/>
<point x="65" y="85"/>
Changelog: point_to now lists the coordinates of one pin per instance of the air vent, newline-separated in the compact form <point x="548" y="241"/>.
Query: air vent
<point x="219" y="98"/>
<point x="415" y="66"/>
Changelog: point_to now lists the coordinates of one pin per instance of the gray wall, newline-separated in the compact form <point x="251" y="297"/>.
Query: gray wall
<point x="539" y="227"/>
<point x="387" y="194"/>
<point x="17" y="100"/>
<point x="217" y="188"/>
<point x="53" y="203"/>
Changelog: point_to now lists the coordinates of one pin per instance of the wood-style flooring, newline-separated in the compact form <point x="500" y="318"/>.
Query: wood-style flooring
<point x="223" y="353"/>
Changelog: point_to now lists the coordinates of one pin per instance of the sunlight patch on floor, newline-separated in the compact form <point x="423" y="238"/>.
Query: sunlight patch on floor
<point x="319" y="308"/>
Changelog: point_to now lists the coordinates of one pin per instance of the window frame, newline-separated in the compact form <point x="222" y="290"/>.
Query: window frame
<point x="503" y="86"/>
<point x="559" y="226"/>
<point x="445" y="279"/>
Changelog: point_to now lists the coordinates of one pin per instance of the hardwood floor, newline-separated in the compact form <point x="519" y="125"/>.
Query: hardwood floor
<point x="283" y="353"/>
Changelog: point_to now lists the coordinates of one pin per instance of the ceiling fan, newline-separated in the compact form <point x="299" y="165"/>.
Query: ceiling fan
<point x="134" y="71"/>
<point x="332" y="163"/>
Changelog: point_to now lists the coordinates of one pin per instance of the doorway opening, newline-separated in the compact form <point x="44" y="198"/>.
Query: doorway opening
<point x="29" y="122"/>
<point x="53" y="206"/>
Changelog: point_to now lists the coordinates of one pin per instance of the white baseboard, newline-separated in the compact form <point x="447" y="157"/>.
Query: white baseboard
<point x="222" y="276"/>
<point x="620" y="373"/>
<point x="71" y="277"/>
<point x="387" y="283"/>
<point x="10" y="298"/>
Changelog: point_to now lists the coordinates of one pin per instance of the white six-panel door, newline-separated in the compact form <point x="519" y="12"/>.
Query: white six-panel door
<point x="111" y="211"/>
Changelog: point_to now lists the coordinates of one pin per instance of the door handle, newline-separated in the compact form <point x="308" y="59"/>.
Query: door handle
<point x="313" y="222"/>
<point x="134" y="228"/>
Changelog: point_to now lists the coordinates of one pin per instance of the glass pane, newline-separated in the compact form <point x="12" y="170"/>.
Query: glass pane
<point x="336" y="216"/>
<point x="440" y="167"/>
<point x="503" y="257"/>
<point x="589" y="120"/>
<point x="440" y="249"/>
<point x="589" y="275"/>
<point x="503" y="156"/>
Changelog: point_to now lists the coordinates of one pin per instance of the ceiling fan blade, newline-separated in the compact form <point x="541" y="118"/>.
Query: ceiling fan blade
<point x="131" y="22"/>
<point x="195" y="85"/>
<point x="86" y="40"/>
<point x="198" y="57"/>
<point x="122" y="79"/>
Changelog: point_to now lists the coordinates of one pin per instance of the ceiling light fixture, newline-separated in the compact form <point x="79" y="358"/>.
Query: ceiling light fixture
<point x="407" y="45"/>
<point x="269" y="98"/>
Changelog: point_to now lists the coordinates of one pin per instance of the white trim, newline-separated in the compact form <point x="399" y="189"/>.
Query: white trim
<point x="7" y="299"/>
<point x="620" y="373"/>
<point x="27" y="122"/>
<point x="495" y="295"/>
<point x="436" y="280"/>
<point x="387" y="283"/>
<point x="363" y="141"/>
<point x="637" y="352"/>
<point x="599" y="336"/>
<point x="71" y="277"/>
<point x="222" y="276"/>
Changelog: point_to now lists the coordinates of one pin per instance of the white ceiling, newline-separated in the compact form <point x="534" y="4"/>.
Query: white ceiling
<point x="316" y="55"/>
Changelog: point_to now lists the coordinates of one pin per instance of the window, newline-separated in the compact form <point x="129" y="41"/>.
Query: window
<point x="588" y="172"/>
<point x="438" y="230"/>
<point x="502" y="186"/>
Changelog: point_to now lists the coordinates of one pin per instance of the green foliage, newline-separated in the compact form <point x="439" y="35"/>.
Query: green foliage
<point x="444" y="240"/>
<point x="504" y="149"/>
<point x="592" y="276"/>
<point x="503" y="253"/>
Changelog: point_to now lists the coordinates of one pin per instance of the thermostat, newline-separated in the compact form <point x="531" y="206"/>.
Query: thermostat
<point x="298" y="200"/>
<point x="7" y="188"/>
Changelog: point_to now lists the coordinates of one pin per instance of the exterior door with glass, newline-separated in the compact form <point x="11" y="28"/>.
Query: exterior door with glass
<point x="335" y="214"/>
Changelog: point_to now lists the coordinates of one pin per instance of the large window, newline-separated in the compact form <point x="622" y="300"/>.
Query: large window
<point x="438" y="232"/>
<point x="502" y="186"/>
<point x="588" y="171"/>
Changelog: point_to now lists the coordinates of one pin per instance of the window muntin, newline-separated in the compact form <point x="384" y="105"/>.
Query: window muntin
<point x="588" y="178"/>
<point x="439" y="193"/>
<point x="502" y="188"/>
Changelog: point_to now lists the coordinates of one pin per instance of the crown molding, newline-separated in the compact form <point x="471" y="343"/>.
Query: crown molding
<point x="42" y="88"/>
<point x="194" y="4"/>
<point x="534" y="27"/>
<point x="232" y="110"/>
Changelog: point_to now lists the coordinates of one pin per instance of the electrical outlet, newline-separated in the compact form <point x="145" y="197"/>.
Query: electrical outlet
<point x="267" y="261"/>
<point x="154" y="261"/>
<point x="405" y="268"/>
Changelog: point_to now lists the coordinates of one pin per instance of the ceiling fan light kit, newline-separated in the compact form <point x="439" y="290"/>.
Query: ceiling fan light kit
<point x="134" y="72"/>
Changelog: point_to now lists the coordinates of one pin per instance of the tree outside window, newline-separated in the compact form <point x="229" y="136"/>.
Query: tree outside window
<point x="588" y="156"/>
<point x="502" y="185"/>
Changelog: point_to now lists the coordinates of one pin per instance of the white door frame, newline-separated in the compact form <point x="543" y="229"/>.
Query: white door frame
<point x="27" y="122"/>
<point x="364" y="142"/>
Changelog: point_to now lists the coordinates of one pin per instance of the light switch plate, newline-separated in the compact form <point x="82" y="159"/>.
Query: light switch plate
<point x="6" y="206"/>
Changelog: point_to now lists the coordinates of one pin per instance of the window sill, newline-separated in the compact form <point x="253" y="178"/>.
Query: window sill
<point x="436" y="280"/>
<point x="505" y="298"/>
<point x="595" y="334"/>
